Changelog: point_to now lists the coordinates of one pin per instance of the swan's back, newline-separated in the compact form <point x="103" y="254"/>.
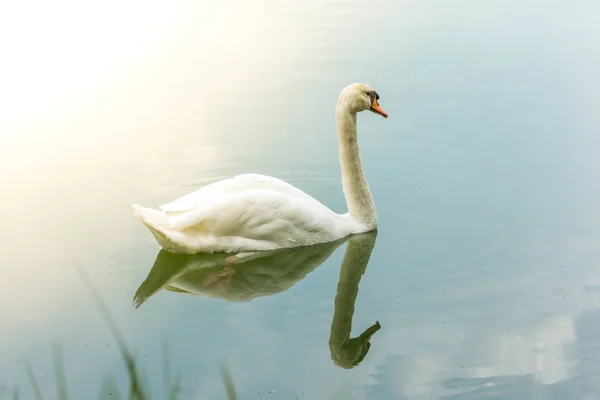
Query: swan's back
<point x="225" y="187"/>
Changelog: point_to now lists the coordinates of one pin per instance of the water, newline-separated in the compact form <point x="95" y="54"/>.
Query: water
<point x="483" y="275"/>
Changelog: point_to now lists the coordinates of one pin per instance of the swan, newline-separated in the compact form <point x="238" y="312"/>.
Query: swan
<point x="253" y="212"/>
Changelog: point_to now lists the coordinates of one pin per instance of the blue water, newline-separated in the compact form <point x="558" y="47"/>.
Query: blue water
<point x="483" y="274"/>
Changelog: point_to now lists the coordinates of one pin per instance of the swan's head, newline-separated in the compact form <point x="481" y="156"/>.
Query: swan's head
<point x="359" y="97"/>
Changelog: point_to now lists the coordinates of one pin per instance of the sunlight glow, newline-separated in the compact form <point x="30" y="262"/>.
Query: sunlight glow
<point x="85" y="87"/>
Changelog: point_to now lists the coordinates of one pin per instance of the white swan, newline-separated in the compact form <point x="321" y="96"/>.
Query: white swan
<point x="256" y="212"/>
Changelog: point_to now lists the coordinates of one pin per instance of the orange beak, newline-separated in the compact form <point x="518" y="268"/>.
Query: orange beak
<point x="377" y="109"/>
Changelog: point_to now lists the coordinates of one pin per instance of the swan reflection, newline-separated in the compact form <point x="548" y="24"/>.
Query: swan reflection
<point x="246" y="276"/>
<point x="348" y="352"/>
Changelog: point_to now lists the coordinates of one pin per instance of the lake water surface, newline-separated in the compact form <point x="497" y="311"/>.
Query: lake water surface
<point x="484" y="274"/>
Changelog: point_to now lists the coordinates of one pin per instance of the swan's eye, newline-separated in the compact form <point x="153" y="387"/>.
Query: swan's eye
<point x="368" y="94"/>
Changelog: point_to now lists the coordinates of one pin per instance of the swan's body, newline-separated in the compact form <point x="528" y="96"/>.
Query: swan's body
<point x="257" y="212"/>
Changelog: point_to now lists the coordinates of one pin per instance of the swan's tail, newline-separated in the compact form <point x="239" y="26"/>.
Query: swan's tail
<point x="157" y="222"/>
<point x="153" y="219"/>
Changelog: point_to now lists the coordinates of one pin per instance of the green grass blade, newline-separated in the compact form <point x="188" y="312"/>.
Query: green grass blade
<point x="35" y="386"/>
<point x="175" y="388"/>
<point x="136" y="392"/>
<point x="16" y="394"/>
<point x="59" y="371"/>
<point x="228" y="383"/>
<point x="109" y="390"/>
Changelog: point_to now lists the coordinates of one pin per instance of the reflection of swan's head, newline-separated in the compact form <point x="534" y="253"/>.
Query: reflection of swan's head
<point x="355" y="349"/>
<point x="359" y="97"/>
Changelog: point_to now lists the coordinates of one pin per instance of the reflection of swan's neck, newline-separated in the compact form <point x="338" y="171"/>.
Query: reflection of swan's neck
<point x="353" y="267"/>
<point x="356" y="189"/>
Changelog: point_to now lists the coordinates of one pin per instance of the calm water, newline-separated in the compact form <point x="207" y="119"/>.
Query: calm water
<point x="484" y="273"/>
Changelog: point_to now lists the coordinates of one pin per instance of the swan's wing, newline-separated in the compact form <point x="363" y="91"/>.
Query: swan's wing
<point x="260" y="215"/>
<point x="225" y="187"/>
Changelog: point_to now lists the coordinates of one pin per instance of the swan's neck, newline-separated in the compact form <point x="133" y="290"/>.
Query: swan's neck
<point x="356" y="189"/>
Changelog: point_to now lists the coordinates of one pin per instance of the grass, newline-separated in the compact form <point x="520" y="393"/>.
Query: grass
<point x="138" y="390"/>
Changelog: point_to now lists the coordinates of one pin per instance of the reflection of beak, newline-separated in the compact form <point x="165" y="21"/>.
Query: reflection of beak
<point x="366" y="335"/>
<point x="377" y="109"/>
